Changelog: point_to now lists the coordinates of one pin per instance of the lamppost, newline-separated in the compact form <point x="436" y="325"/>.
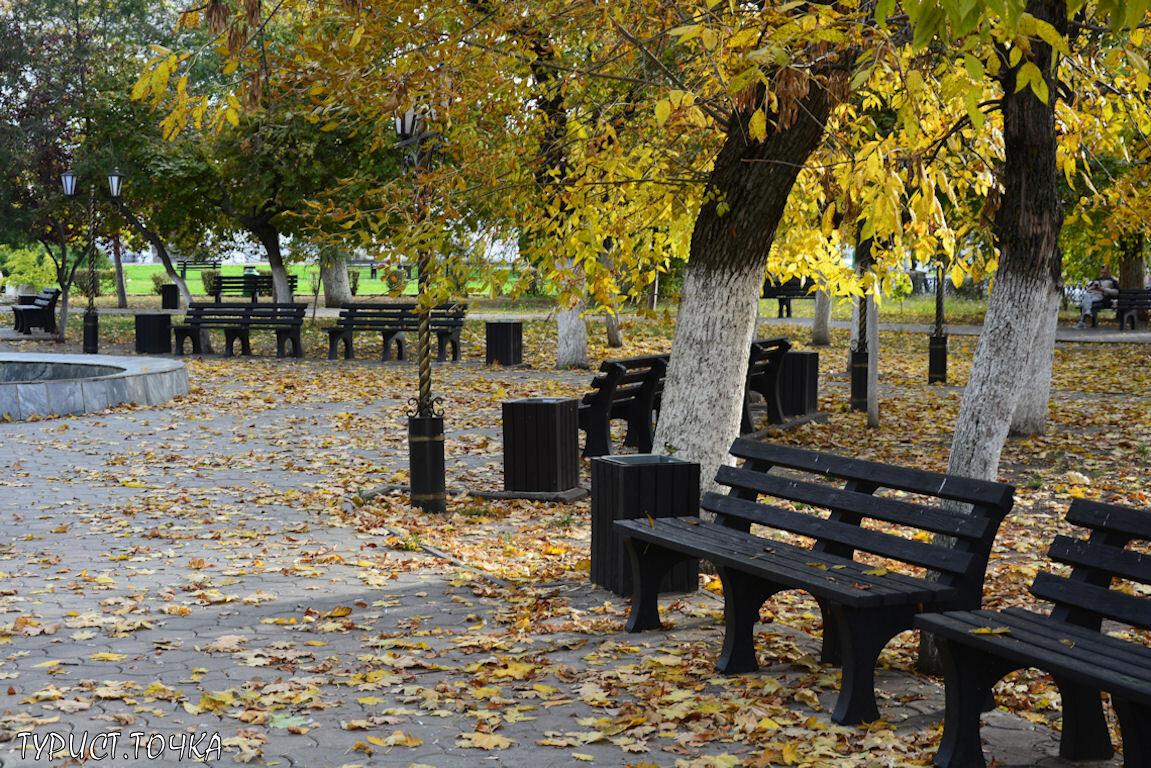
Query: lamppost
<point x="91" y="319"/>
<point x="426" y="425"/>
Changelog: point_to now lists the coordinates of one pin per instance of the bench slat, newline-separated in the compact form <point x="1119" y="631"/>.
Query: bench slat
<point x="1110" y="517"/>
<point x="996" y="496"/>
<point x="1123" y="563"/>
<point x="1101" y="601"/>
<point x="897" y="511"/>
<point x="918" y="553"/>
<point x="1120" y="653"/>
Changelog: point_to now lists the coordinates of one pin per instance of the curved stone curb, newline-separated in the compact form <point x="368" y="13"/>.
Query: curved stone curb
<point x="56" y="385"/>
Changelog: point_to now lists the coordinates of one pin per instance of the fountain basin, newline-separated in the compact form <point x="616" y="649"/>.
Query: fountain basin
<point x="56" y="385"/>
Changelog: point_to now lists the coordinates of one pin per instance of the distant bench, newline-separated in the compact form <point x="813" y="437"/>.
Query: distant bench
<point x="36" y="311"/>
<point x="185" y="264"/>
<point x="1129" y="305"/>
<point x="631" y="390"/>
<point x="252" y="286"/>
<point x="238" y="321"/>
<point x="864" y="601"/>
<point x="1108" y="581"/>
<point x="391" y="321"/>
<point x="786" y="291"/>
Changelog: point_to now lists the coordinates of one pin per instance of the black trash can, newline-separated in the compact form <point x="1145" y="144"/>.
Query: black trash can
<point x="169" y="296"/>
<point x="505" y="344"/>
<point x="541" y="444"/>
<point x="154" y="333"/>
<point x="639" y="486"/>
<point x="799" y="383"/>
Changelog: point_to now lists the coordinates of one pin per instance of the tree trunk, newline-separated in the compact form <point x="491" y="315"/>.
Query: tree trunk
<point x="821" y="325"/>
<point x="269" y="236"/>
<point x="703" y="392"/>
<point x="161" y="251"/>
<point x="118" y="263"/>
<point x="571" y="337"/>
<point x="1132" y="268"/>
<point x="1027" y="228"/>
<point x="334" y="276"/>
<point x="872" y="362"/>
<point x="1030" y="416"/>
<point x="611" y="328"/>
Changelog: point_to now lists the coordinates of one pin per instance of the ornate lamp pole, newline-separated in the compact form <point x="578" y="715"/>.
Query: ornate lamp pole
<point x="426" y="425"/>
<point x="91" y="318"/>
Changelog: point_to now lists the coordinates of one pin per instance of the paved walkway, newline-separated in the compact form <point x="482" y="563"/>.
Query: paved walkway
<point x="192" y="576"/>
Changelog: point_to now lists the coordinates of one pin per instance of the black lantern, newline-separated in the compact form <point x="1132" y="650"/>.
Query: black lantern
<point x="91" y="320"/>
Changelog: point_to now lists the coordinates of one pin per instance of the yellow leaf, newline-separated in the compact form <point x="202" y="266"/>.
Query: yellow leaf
<point x="991" y="631"/>
<point x="757" y="126"/>
<point x="107" y="656"/>
<point x="231" y="66"/>
<point x="232" y="117"/>
<point x="359" y="33"/>
<point x="583" y="756"/>
<point x="329" y="126"/>
<point x="51" y="663"/>
<point x="662" y="111"/>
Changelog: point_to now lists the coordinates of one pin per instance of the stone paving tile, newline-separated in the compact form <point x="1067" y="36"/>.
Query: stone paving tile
<point x="145" y="591"/>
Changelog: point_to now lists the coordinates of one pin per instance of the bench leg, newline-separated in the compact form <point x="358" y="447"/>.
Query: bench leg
<point x="1133" y="720"/>
<point x="640" y="434"/>
<point x="284" y="338"/>
<point x="597" y="433"/>
<point x="862" y="636"/>
<point x="1085" y="735"/>
<point x="831" y="650"/>
<point x="441" y="349"/>
<point x="969" y="676"/>
<point x="743" y="596"/>
<point x="334" y="344"/>
<point x="649" y="564"/>
<point x="388" y="337"/>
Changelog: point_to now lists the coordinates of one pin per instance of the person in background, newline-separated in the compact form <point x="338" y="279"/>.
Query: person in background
<point x="1099" y="293"/>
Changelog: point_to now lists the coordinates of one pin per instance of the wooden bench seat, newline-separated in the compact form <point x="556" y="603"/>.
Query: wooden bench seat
<point x="979" y="646"/>
<point x="238" y="321"/>
<point x="826" y="498"/>
<point x="39" y="312"/>
<point x="392" y="321"/>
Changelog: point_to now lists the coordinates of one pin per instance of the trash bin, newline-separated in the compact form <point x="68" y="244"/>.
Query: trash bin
<point x="169" y="296"/>
<point x="639" y="486"/>
<point x="541" y="444"/>
<point x="505" y="344"/>
<point x="799" y="383"/>
<point x="154" y="333"/>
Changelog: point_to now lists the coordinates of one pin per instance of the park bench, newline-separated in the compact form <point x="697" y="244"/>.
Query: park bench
<point x="784" y="292"/>
<point x="865" y="601"/>
<point x="1108" y="581"/>
<point x="763" y="370"/>
<point x="627" y="389"/>
<point x="251" y="286"/>
<point x="1130" y="305"/>
<point x="391" y="321"/>
<point x="194" y="264"/>
<point x="238" y="321"/>
<point x="37" y="311"/>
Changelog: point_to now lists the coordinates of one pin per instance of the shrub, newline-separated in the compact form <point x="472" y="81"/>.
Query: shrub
<point x="354" y="280"/>
<point x="26" y="266"/>
<point x="397" y="280"/>
<point x="209" y="277"/>
<point x="83" y="286"/>
<point x="158" y="281"/>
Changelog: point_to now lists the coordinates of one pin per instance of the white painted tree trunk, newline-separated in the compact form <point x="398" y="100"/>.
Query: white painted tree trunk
<point x="334" y="276"/>
<point x="611" y="328"/>
<point x="821" y="325"/>
<point x="1030" y="416"/>
<point x="571" y="337"/>
<point x="992" y="392"/>
<point x="703" y="392"/>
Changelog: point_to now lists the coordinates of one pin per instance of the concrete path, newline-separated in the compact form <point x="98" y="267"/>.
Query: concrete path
<point x="189" y="583"/>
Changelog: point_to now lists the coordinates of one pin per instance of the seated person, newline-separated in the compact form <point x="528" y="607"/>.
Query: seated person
<point x="1099" y="294"/>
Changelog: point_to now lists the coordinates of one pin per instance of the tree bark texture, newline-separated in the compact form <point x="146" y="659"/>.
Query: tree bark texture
<point x="571" y="337"/>
<point x="734" y="231"/>
<point x="1030" y="416"/>
<point x="821" y="325"/>
<point x="1132" y="268"/>
<point x="611" y="328"/>
<point x="334" y="276"/>
<point x="1027" y="228"/>
<point x="269" y="237"/>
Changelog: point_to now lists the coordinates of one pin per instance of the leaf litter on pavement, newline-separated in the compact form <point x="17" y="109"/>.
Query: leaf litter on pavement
<point x="214" y="564"/>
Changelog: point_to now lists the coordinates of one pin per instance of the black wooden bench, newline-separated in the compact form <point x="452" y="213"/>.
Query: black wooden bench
<point x="37" y="311"/>
<point x="864" y="602"/>
<point x="763" y="370"/>
<point x="252" y="286"/>
<point x="391" y="321"/>
<point x="980" y="647"/>
<point x="1130" y="305"/>
<point x="628" y="389"/>
<point x="238" y="321"/>
<point x="185" y="264"/>
<point x="784" y="292"/>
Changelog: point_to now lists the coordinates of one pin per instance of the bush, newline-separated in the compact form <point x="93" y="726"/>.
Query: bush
<point x="26" y="266"/>
<point x="209" y="277"/>
<point x="159" y="279"/>
<point x="354" y="280"/>
<point x="397" y="280"/>
<point x="83" y="286"/>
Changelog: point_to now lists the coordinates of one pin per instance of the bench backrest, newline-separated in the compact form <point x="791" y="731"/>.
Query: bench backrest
<point x="1137" y="298"/>
<point x="628" y="378"/>
<point x="792" y="287"/>
<point x="239" y="314"/>
<point x="47" y="297"/>
<point x="766" y="355"/>
<point x="401" y="315"/>
<point x="1085" y="596"/>
<point x="250" y="283"/>
<point x="846" y="490"/>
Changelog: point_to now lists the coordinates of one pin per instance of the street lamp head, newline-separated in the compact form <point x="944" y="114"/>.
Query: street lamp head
<point x="115" y="181"/>
<point x="414" y="121"/>
<point x="68" y="179"/>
